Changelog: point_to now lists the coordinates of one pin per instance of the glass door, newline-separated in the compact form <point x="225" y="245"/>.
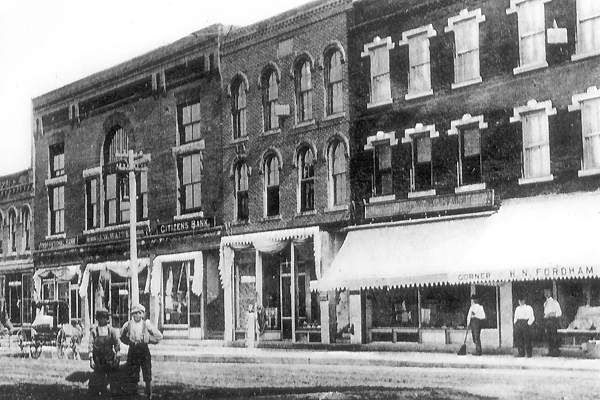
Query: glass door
<point x="175" y="294"/>
<point x="286" y="299"/>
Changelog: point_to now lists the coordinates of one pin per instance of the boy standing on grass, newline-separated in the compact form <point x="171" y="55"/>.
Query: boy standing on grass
<point x="105" y="353"/>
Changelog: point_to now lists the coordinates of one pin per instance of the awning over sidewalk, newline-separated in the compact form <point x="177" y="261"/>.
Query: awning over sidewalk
<point x="543" y="237"/>
<point x="414" y="253"/>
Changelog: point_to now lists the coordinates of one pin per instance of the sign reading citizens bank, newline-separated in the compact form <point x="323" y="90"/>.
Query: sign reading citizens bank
<point x="525" y="274"/>
<point x="184" y="226"/>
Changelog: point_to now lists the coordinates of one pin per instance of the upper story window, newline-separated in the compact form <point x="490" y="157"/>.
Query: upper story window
<point x="588" y="28"/>
<point x="26" y="234"/>
<point x="468" y="129"/>
<point x="306" y="176"/>
<point x="91" y="201"/>
<point x="381" y="145"/>
<point x="241" y="192"/>
<point x="271" y="169"/>
<point x="238" y="108"/>
<point x="466" y="46"/>
<point x="116" y="182"/>
<point x="379" y="53"/>
<point x="57" y="160"/>
<point x="589" y="104"/>
<point x="532" y="33"/>
<point x="304" y="92"/>
<point x="421" y="174"/>
<point x="270" y="94"/>
<point x="189" y="122"/>
<point x="12" y="230"/>
<point x="419" y="77"/>
<point x="56" y="197"/>
<point x="190" y="182"/>
<point x="333" y="83"/>
<point x="536" y="142"/>
<point x="338" y="177"/>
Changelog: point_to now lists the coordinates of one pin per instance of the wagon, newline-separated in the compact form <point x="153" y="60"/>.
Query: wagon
<point x="51" y="328"/>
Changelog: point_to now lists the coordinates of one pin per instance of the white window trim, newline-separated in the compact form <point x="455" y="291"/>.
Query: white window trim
<point x="455" y="128"/>
<point x="409" y="134"/>
<point x="452" y="21"/>
<point x="532" y="107"/>
<point x="592" y="93"/>
<point x="380" y="138"/>
<point x="192" y="147"/>
<point x="514" y="8"/>
<point x="331" y="206"/>
<point x="59" y="180"/>
<point x="368" y="50"/>
<point x="580" y="56"/>
<point x="406" y="36"/>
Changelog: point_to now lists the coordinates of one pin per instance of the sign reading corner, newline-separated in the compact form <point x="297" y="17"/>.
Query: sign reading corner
<point x="526" y="274"/>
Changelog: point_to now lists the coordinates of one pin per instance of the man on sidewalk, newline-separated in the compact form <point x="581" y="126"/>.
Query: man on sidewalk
<point x="475" y="318"/>
<point x="552" y="313"/>
<point x="523" y="320"/>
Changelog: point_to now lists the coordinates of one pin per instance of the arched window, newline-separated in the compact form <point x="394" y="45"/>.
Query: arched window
<point x="238" y="108"/>
<point x="241" y="191"/>
<point x="306" y="169"/>
<point x="270" y="93"/>
<point x="338" y="173"/>
<point x="302" y="75"/>
<point x="12" y="230"/>
<point x="333" y="83"/>
<point x="26" y="218"/>
<point x="272" y="185"/>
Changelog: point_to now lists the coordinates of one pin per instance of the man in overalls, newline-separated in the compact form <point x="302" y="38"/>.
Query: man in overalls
<point x="105" y="353"/>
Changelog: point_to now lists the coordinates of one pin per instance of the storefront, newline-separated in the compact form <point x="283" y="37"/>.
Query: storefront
<point x="271" y="273"/>
<point x="60" y="283"/>
<point x="16" y="291"/>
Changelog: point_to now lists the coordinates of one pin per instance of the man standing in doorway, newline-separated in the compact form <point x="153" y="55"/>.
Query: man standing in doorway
<point x="552" y="313"/>
<point x="523" y="320"/>
<point x="475" y="319"/>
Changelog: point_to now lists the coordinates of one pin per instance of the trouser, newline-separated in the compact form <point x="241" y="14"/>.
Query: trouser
<point x="105" y="365"/>
<point x="523" y="338"/>
<point x="476" y="325"/>
<point x="138" y="357"/>
<point x="552" y="335"/>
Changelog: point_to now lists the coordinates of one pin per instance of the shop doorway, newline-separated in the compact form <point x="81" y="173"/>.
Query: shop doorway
<point x="182" y="305"/>
<point x="16" y="297"/>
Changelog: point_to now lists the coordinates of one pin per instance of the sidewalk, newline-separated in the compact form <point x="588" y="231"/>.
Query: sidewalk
<point x="218" y="352"/>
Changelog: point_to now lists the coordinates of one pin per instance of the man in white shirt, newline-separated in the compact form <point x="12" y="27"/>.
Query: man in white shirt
<point x="475" y="318"/>
<point x="552" y="313"/>
<point x="523" y="320"/>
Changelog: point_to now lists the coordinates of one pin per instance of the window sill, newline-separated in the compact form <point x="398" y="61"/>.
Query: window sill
<point x="577" y="57"/>
<point x="92" y="172"/>
<point x="305" y="213"/>
<point x="239" y="222"/>
<point x="332" y="117"/>
<point x="469" y="188"/>
<point x="271" y="132"/>
<point x="56" y="236"/>
<point x="338" y="208"/>
<point x="380" y="199"/>
<point x="116" y="227"/>
<point x="271" y="218"/>
<point x="59" y="180"/>
<point x="527" y="181"/>
<point x="467" y="83"/>
<point x="381" y="103"/>
<point x="242" y="139"/>
<point x="530" y="67"/>
<point x="304" y="124"/>
<point x="588" y="172"/>
<point x="422" y="193"/>
<point x="188" y="148"/>
<point x="199" y="214"/>
<point x="412" y="96"/>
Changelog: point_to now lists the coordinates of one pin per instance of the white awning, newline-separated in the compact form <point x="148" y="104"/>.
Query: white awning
<point x="543" y="237"/>
<point x="414" y="253"/>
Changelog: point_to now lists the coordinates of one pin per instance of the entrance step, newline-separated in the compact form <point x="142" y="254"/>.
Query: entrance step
<point x="174" y="332"/>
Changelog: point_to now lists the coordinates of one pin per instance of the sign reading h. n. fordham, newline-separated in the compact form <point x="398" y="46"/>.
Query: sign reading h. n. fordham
<point x="524" y="274"/>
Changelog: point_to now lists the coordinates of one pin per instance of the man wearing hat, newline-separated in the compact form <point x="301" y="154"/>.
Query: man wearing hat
<point x="104" y="353"/>
<point x="137" y="333"/>
<point x="523" y="320"/>
<point x="475" y="318"/>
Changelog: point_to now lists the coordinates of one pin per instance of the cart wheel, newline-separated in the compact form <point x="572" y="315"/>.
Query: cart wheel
<point x="21" y="341"/>
<point x="35" y="349"/>
<point x="61" y="344"/>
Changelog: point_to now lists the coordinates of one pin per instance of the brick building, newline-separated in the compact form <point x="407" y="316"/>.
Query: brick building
<point x="16" y="240"/>
<point x="475" y="127"/>
<point x="163" y="108"/>
<point x="285" y="151"/>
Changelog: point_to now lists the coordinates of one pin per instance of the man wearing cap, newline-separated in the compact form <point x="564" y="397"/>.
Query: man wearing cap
<point x="523" y="320"/>
<point x="137" y="333"/>
<point x="552" y="313"/>
<point x="104" y="352"/>
<point x="475" y="318"/>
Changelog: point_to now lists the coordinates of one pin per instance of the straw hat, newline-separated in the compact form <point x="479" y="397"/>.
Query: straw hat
<point x="137" y="307"/>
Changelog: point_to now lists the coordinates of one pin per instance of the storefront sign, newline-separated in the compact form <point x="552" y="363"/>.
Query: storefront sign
<point x="525" y="274"/>
<point x="184" y="226"/>
<point x="114" y="235"/>
<point x="57" y="243"/>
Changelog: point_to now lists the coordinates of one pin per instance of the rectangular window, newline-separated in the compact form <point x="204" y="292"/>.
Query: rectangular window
<point x="190" y="177"/>
<point x="470" y="156"/>
<point x="333" y="79"/>
<point x="116" y="201"/>
<point x="142" y="195"/>
<point x="466" y="46"/>
<point x="536" y="145"/>
<point x="588" y="27"/>
<point x="383" y="170"/>
<point x="189" y="123"/>
<point x="57" y="209"/>
<point x="272" y="186"/>
<point x="338" y="170"/>
<point x="238" y="111"/>
<point x="378" y="52"/>
<point x="241" y="192"/>
<point x="532" y="34"/>
<point x="91" y="209"/>
<point x="590" y="116"/>
<point x="304" y="92"/>
<point x="57" y="160"/>
<point x="419" y="76"/>
<point x="422" y="167"/>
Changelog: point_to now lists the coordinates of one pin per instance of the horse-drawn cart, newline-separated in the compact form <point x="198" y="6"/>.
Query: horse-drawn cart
<point x="51" y="328"/>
